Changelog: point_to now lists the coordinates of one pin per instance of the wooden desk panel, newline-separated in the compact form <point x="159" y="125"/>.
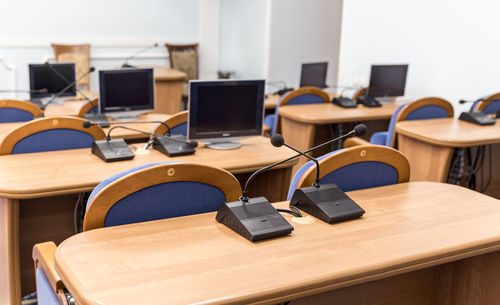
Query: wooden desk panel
<point x="168" y="89"/>
<point x="38" y="192"/>
<point x="417" y="243"/>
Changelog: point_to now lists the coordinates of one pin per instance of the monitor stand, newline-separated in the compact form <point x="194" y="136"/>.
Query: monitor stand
<point x="125" y="116"/>
<point x="223" y="145"/>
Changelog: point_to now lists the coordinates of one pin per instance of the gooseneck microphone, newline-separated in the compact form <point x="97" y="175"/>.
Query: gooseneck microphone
<point x="190" y="143"/>
<point x="477" y="117"/>
<point x="126" y="65"/>
<point x="277" y="140"/>
<point x="47" y="64"/>
<point x="87" y="124"/>
<point x="91" y="69"/>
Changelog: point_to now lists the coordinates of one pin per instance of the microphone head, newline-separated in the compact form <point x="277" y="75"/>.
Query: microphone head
<point x="155" y="45"/>
<point x="193" y="143"/>
<point x="91" y="69"/>
<point x="462" y="101"/>
<point x="87" y="124"/>
<point x="46" y="64"/>
<point x="277" y="140"/>
<point x="360" y="129"/>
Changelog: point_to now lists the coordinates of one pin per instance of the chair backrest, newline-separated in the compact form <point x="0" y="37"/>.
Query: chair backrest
<point x="177" y="124"/>
<point x="90" y="106"/>
<point x="355" y="168"/>
<point x="421" y="109"/>
<point x="50" y="134"/>
<point x="79" y="54"/>
<point x="303" y="95"/>
<point x="18" y="111"/>
<point x="488" y="105"/>
<point x="158" y="191"/>
<point x="359" y="93"/>
<point x="184" y="57"/>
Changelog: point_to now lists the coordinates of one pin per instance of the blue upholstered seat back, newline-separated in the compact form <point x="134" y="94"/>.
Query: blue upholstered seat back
<point x="44" y="292"/>
<point x="355" y="176"/>
<point x="53" y="139"/>
<point x="165" y="200"/>
<point x="392" y="125"/>
<point x="427" y="112"/>
<point x="272" y="120"/>
<point x="8" y="115"/>
<point x="179" y="129"/>
<point x="94" y="110"/>
<point x="492" y="108"/>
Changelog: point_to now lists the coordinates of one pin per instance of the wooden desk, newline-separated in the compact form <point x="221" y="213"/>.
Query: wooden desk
<point x="168" y="89"/>
<point x="429" y="146"/>
<point x="38" y="192"/>
<point x="272" y="100"/>
<point x="6" y="128"/>
<point x="418" y="243"/>
<point x="304" y="126"/>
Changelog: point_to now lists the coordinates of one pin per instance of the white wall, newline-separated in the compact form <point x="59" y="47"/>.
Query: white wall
<point x="303" y="31"/>
<point x="115" y="30"/>
<point x="452" y="46"/>
<point x="242" y="37"/>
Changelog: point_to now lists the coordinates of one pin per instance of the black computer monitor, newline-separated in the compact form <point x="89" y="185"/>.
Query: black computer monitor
<point x="222" y="111"/>
<point x="126" y="93"/>
<point x="314" y="74"/>
<point x="43" y="77"/>
<point x="387" y="80"/>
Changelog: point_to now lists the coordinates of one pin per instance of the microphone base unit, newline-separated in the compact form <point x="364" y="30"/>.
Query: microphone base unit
<point x="476" y="117"/>
<point x="112" y="150"/>
<point x="326" y="202"/>
<point x="128" y="66"/>
<point x="171" y="147"/>
<point x="344" y="102"/>
<point x="255" y="220"/>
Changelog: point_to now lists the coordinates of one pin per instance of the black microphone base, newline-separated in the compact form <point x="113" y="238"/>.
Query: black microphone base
<point x="476" y="117"/>
<point x="173" y="148"/>
<point x="255" y="220"/>
<point x="128" y="66"/>
<point x="327" y="202"/>
<point x="112" y="150"/>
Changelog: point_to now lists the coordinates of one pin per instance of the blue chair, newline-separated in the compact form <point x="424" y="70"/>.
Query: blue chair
<point x="18" y="111"/>
<point x="422" y="109"/>
<point x="304" y="95"/>
<point x="177" y="124"/>
<point x="89" y="107"/>
<point x="488" y="105"/>
<point x="355" y="168"/>
<point x="144" y="193"/>
<point x="50" y="134"/>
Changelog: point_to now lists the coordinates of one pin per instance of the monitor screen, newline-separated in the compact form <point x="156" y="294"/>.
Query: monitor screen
<point x="225" y="109"/>
<point x="387" y="80"/>
<point x="43" y="77"/>
<point x="126" y="90"/>
<point x="314" y="74"/>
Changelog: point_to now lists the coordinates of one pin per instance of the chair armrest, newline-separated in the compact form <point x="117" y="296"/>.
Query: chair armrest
<point x="354" y="141"/>
<point x="43" y="257"/>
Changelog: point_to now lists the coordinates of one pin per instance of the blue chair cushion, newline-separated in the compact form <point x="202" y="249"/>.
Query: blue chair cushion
<point x="180" y="129"/>
<point x="8" y="115"/>
<point x="492" y="108"/>
<point x="379" y="138"/>
<point x="53" y="139"/>
<point x="392" y="125"/>
<point x="45" y="294"/>
<point x="166" y="200"/>
<point x="427" y="112"/>
<point x="269" y="120"/>
<point x="94" y="110"/>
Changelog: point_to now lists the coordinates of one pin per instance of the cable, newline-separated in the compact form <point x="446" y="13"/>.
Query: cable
<point x="289" y="212"/>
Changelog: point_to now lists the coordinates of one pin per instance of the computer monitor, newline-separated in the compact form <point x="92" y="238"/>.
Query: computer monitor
<point x="43" y="77"/>
<point x="387" y="80"/>
<point x="314" y="74"/>
<point x="126" y="93"/>
<point x="220" y="112"/>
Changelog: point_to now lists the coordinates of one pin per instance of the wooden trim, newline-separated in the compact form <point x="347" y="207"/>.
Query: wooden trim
<point x="359" y="93"/>
<point x="487" y="100"/>
<point x="22" y="105"/>
<point x="354" y="141"/>
<point x="43" y="257"/>
<point x="10" y="280"/>
<point x="32" y="127"/>
<point x="427" y="101"/>
<point x="357" y="154"/>
<point x="182" y="47"/>
<point x="93" y="102"/>
<point x="174" y="120"/>
<point x="122" y="187"/>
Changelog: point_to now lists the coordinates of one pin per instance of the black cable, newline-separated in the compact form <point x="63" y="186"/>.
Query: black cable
<point x="288" y="211"/>
<point x="296" y="210"/>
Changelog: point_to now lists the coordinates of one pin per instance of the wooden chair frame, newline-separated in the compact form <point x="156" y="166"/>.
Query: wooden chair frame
<point x="32" y="127"/>
<point x="487" y="100"/>
<point x="22" y="105"/>
<point x="174" y="120"/>
<point x="154" y="175"/>
<point x="359" y="93"/>
<point x="87" y="106"/>
<point x="357" y="154"/>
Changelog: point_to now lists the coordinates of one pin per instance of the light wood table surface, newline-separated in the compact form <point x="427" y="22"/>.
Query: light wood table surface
<point x="6" y="128"/>
<point x="38" y="192"/>
<point x="304" y="126"/>
<point x="429" y="146"/>
<point x="418" y="243"/>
